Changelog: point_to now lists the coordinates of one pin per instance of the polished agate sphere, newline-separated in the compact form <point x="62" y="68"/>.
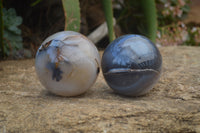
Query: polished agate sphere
<point x="67" y="63"/>
<point x="131" y="65"/>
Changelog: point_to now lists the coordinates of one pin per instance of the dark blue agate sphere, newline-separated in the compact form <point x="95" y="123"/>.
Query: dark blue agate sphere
<point x="131" y="65"/>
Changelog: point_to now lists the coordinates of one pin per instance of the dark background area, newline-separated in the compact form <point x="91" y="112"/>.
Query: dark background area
<point x="47" y="17"/>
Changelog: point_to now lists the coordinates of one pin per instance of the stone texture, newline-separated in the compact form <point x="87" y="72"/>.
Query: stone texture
<point x="173" y="105"/>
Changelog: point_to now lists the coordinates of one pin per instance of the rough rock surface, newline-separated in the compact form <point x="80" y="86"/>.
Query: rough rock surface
<point x="173" y="105"/>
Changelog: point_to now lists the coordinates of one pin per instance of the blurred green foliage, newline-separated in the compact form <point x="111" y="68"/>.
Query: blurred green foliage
<point x="137" y="17"/>
<point x="171" y="14"/>
<point x="171" y="11"/>
<point x="12" y="34"/>
<point x="193" y="37"/>
<point x="133" y="16"/>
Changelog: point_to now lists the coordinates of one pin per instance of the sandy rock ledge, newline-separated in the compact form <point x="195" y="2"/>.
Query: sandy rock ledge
<point x="173" y="105"/>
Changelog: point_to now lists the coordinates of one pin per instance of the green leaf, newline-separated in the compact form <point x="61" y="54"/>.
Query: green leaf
<point x="18" y="21"/>
<point x="108" y="11"/>
<point x="10" y="18"/>
<point x="15" y="30"/>
<point x="72" y="14"/>
<point x="149" y="10"/>
<point x="35" y="2"/>
<point x="13" y="39"/>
